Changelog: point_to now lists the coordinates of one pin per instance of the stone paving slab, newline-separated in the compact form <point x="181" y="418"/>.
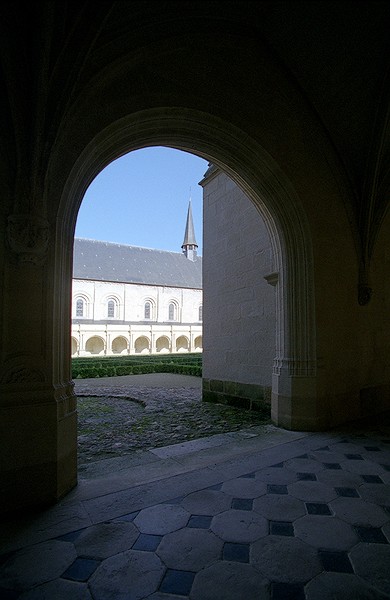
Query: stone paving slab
<point x="222" y="530"/>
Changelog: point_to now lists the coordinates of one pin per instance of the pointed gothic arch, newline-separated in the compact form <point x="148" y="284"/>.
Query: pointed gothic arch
<point x="257" y="174"/>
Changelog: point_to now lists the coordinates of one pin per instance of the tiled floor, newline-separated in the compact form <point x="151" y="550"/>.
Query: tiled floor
<point x="243" y="516"/>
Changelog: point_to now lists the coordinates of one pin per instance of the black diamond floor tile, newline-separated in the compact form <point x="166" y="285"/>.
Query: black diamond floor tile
<point x="278" y="465"/>
<point x="317" y="508"/>
<point x="69" y="537"/>
<point x="371" y="535"/>
<point x="333" y="466"/>
<point x="322" y="449"/>
<point x="81" y="569"/>
<point x="216" y="487"/>
<point x="174" y="500"/>
<point x="147" y="542"/>
<point x="371" y="478"/>
<point x="372" y="449"/>
<point x="386" y="467"/>
<point x="248" y="476"/>
<point x="236" y="552"/>
<point x="276" y="489"/>
<point x="302" y="456"/>
<point x="335" y="561"/>
<point x="306" y="476"/>
<point x="354" y="456"/>
<point x="200" y="521"/>
<point x="346" y="492"/>
<point x="129" y="517"/>
<point x="287" y="591"/>
<point x="242" y="504"/>
<point x="281" y="528"/>
<point x="177" y="582"/>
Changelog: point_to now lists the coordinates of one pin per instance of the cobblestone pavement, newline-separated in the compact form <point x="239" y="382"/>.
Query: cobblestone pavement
<point x="117" y="416"/>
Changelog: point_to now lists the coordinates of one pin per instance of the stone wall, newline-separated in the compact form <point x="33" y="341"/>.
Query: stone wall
<point x="239" y="303"/>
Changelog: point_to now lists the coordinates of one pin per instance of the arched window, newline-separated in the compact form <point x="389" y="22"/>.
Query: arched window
<point x="79" y="307"/>
<point x="172" y="311"/>
<point x="200" y="313"/>
<point x="147" y="310"/>
<point x="111" y="309"/>
<point x="112" y="305"/>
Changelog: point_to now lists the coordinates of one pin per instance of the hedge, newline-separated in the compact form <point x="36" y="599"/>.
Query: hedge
<point x="111" y="366"/>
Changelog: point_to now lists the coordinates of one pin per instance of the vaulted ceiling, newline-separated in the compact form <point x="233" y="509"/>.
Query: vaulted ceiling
<point x="336" y="54"/>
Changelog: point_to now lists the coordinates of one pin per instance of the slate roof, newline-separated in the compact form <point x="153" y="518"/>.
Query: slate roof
<point x="106" y="261"/>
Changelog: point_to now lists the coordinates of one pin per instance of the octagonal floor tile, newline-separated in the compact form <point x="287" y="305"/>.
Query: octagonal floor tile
<point x="325" y="532"/>
<point x="285" y="559"/>
<point x="243" y="487"/>
<point x="312" y="491"/>
<point x="279" y="508"/>
<point x="106" y="539"/>
<point x="371" y="562"/>
<point x="359" y="512"/>
<point x="36" y="564"/>
<point x="329" y="586"/>
<point x="190" y="549"/>
<point x="339" y="478"/>
<point x="276" y="475"/>
<point x="130" y="574"/>
<point x="161" y="519"/>
<point x="239" y="526"/>
<point x="206" y="502"/>
<point x="229" y="581"/>
<point x="375" y="493"/>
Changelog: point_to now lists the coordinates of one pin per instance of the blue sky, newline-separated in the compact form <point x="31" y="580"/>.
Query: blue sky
<point x="141" y="199"/>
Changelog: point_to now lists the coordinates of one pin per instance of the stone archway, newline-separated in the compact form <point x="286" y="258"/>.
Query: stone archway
<point x="294" y="396"/>
<point x="182" y="344"/>
<point x="119" y="345"/>
<point x="198" y="343"/>
<point x="95" y="345"/>
<point x="142" y="345"/>
<point x="163" y="344"/>
<point x="295" y="401"/>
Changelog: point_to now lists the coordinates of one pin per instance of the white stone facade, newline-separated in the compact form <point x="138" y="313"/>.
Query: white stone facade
<point x="123" y="318"/>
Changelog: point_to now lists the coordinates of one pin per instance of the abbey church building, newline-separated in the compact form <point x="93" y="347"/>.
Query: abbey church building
<point x="131" y="300"/>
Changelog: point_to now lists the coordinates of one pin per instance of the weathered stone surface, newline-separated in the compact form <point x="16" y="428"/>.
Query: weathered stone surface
<point x="127" y="575"/>
<point x="60" y="589"/>
<point x="106" y="539"/>
<point x="229" y="581"/>
<point x="241" y="526"/>
<point x="190" y="549"/>
<point x="120" y="417"/>
<point x="36" y="564"/>
<point x="285" y="559"/>
<point x="329" y="586"/>
<point x="161" y="519"/>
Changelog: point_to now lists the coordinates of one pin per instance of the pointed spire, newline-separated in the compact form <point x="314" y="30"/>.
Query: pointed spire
<point x="189" y="245"/>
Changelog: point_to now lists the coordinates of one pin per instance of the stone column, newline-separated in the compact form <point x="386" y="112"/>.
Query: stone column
<point x="38" y="425"/>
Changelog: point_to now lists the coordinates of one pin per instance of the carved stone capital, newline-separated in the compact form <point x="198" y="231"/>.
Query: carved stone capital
<point x="28" y="237"/>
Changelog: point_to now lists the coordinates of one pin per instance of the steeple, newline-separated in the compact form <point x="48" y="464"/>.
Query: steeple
<point x="189" y="245"/>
